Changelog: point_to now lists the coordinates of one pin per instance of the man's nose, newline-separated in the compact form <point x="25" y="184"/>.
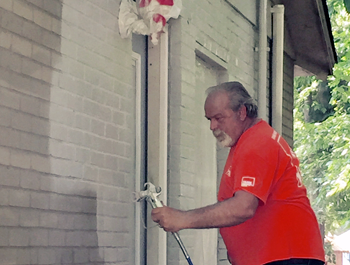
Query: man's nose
<point x="213" y="124"/>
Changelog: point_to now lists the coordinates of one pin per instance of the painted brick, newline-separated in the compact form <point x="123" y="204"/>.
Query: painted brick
<point x="34" y="143"/>
<point x="4" y="237"/>
<point x="29" y="218"/>
<point x="21" y="121"/>
<point x="19" y="198"/>
<point x="41" y="54"/>
<point x="9" y="176"/>
<point x="40" y="163"/>
<point x="18" y="237"/>
<point x="30" y="86"/>
<point x="97" y="159"/>
<point x="70" y="14"/>
<point x="10" y="216"/>
<point x="112" y="239"/>
<point x="34" y="256"/>
<point x="7" y="4"/>
<point x="74" y="238"/>
<point x="51" y="40"/>
<point x="23" y="256"/>
<point x="53" y="7"/>
<point x="21" y="46"/>
<point x="96" y="110"/>
<point x="113" y="100"/>
<point x="30" y="180"/>
<point x="39" y="200"/>
<point x="4" y="155"/>
<point x="66" y="221"/>
<point x="11" y="22"/>
<point x="61" y="150"/>
<point x="8" y="255"/>
<point x="39" y="237"/>
<point x="56" y="238"/>
<point x="20" y="159"/>
<point x="113" y="209"/>
<point x="61" y="115"/>
<point x="81" y="256"/>
<point x="48" y="219"/>
<point x="82" y="122"/>
<point x="9" y="98"/>
<point x="94" y="254"/>
<point x="111" y="162"/>
<point x="83" y="155"/>
<point x="114" y="254"/>
<point x="85" y="222"/>
<point x="32" y="68"/>
<point x="46" y="256"/>
<point x="90" y="173"/>
<point x="40" y="127"/>
<point x="4" y="192"/>
<point x="30" y="105"/>
<point x="59" y="131"/>
<point x="65" y="203"/>
<point x="109" y="177"/>
<point x="65" y="256"/>
<point x="98" y="127"/>
<point x="111" y="131"/>
<point x="42" y="19"/>
<point x="70" y="49"/>
<point x="109" y="193"/>
<point x="22" y="9"/>
<point x="5" y="39"/>
<point x="11" y="61"/>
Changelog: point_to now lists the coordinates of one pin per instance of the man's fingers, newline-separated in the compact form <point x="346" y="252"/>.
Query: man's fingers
<point x="166" y="218"/>
<point x="155" y="215"/>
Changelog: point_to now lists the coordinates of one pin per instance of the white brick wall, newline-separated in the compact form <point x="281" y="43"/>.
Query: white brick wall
<point x="66" y="126"/>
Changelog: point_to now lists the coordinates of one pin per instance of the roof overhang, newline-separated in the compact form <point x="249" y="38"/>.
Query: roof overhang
<point x="309" y="29"/>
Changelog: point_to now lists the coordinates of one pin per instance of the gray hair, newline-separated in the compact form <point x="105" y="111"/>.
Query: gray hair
<point x="238" y="97"/>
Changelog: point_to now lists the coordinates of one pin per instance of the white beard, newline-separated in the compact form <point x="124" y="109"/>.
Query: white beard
<point x="223" y="138"/>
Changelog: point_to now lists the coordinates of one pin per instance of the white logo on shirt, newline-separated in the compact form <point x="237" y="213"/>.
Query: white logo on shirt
<point x="228" y="172"/>
<point x="248" y="182"/>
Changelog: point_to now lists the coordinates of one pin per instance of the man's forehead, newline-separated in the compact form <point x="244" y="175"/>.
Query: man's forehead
<point x="216" y="104"/>
<point x="218" y="98"/>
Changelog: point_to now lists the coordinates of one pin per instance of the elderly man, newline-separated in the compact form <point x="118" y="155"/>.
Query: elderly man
<point x="263" y="211"/>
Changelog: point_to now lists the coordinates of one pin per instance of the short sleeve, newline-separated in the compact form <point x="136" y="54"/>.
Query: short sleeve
<point x="253" y="172"/>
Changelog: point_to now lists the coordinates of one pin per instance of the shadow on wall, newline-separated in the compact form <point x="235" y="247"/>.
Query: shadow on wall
<point x="47" y="210"/>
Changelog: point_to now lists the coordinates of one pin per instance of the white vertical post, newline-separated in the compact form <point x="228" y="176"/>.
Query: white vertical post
<point x="158" y="139"/>
<point x="137" y="60"/>
<point x="277" y="67"/>
<point x="262" y="104"/>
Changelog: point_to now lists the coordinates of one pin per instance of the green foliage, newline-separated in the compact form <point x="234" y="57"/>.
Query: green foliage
<point x="340" y="26"/>
<point x="322" y="130"/>
<point x="347" y="5"/>
<point x="330" y="256"/>
<point x="324" y="152"/>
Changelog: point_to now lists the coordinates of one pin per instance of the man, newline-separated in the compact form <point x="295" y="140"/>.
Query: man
<point x="263" y="212"/>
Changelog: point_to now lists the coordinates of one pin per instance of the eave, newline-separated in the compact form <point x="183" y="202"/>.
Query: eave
<point x="309" y="29"/>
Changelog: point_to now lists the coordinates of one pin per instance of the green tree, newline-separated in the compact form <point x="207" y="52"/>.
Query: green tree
<point x="322" y="130"/>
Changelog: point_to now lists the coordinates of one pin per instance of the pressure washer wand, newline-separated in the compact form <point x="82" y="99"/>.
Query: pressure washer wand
<point x="151" y="194"/>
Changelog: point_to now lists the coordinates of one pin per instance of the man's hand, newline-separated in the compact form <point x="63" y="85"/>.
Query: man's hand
<point x="170" y="219"/>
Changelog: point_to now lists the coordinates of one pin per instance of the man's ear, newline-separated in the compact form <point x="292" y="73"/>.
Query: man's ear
<point x="242" y="113"/>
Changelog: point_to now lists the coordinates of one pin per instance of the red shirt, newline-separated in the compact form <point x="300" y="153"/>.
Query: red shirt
<point x="284" y="225"/>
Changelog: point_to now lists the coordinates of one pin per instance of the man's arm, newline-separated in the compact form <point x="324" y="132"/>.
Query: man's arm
<point x="233" y="211"/>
